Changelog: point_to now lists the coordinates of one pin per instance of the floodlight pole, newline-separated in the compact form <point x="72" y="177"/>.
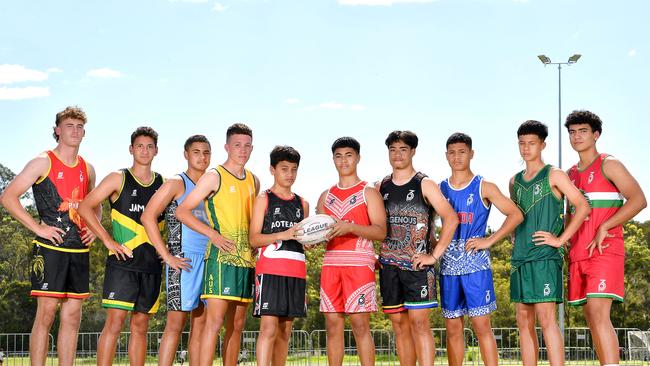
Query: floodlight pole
<point x="547" y="61"/>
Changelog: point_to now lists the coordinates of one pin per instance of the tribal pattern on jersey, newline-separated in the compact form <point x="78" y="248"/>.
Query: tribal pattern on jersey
<point x="181" y="238"/>
<point x="229" y="212"/>
<point x="127" y="227"/>
<point x="472" y="215"/>
<point x="409" y="218"/>
<point x="543" y="211"/>
<point x="605" y="201"/>
<point x="283" y="258"/>
<point x="348" y="204"/>
<point x="57" y="196"/>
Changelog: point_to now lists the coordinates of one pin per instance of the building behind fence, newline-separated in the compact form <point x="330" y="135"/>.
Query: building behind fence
<point x="309" y="348"/>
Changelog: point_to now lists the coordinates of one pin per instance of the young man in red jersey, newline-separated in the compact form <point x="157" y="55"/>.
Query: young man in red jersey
<point x="348" y="274"/>
<point x="60" y="180"/>
<point x="597" y="253"/>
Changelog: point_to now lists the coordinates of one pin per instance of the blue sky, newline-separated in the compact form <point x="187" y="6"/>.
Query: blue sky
<point x="305" y="72"/>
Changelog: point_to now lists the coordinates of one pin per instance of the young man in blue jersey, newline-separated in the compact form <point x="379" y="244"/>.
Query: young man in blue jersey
<point x="411" y="200"/>
<point x="183" y="254"/>
<point x="466" y="286"/>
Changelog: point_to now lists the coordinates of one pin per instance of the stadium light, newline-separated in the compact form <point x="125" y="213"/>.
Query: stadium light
<point x="573" y="59"/>
<point x="545" y="60"/>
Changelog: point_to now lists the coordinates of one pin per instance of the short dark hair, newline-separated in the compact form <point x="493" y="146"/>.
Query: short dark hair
<point x="73" y="112"/>
<point x="407" y="137"/>
<point x="459" y="138"/>
<point x="579" y="117"/>
<point x="238" y="129"/>
<point x="145" y="131"/>
<point x="532" y="127"/>
<point x="284" y="153"/>
<point x="195" y="138"/>
<point x="346" y="141"/>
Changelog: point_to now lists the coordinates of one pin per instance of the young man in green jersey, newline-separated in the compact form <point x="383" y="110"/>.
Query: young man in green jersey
<point x="536" y="265"/>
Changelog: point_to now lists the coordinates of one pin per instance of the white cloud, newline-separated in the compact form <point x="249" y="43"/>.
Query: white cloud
<point x="10" y="74"/>
<point x="218" y="7"/>
<point x="631" y="52"/>
<point x="292" y="100"/>
<point x="335" y="106"/>
<point x="104" y="73"/>
<point x="382" y="2"/>
<point x="23" y="93"/>
<point x="357" y="107"/>
<point x="53" y="69"/>
<point x="332" y="105"/>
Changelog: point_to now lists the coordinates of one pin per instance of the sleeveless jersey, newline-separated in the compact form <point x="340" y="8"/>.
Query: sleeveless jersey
<point x="543" y="211"/>
<point x="229" y="212"/>
<point x="348" y="204"/>
<point x="180" y="237"/>
<point x="472" y="215"/>
<point x="409" y="219"/>
<point x="605" y="200"/>
<point x="127" y="227"/>
<point x="284" y="258"/>
<point x="57" y="196"/>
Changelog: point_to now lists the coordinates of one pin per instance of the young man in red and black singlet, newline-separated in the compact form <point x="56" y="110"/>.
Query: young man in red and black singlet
<point x="280" y="270"/>
<point x="60" y="180"/>
<point x="133" y="268"/>
<point x="597" y="253"/>
<point x="348" y="274"/>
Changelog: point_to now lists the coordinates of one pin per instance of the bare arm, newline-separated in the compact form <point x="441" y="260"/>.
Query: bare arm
<point x="108" y="187"/>
<point x="172" y="189"/>
<point x="204" y="187"/>
<point x="561" y="181"/>
<point x="377" y="215"/>
<point x="514" y="217"/>
<point x="10" y="199"/>
<point x="449" y="218"/>
<point x="88" y="237"/>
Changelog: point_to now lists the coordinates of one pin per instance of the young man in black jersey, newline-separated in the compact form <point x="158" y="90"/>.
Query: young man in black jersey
<point x="59" y="179"/>
<point x="280" y="270"/>
<point x="408" y="290"/>
<point x="133" y="269"/>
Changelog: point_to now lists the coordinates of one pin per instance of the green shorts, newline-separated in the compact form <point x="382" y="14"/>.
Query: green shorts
<point x="539" y="281"/>
<point x="223" y="281"/>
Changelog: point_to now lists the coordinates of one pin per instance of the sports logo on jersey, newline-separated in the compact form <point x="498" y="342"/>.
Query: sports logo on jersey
<point x="362" y="299"/>
<point x="470" y="199"/>
<point x="332" y="201"/>
<point x="59" y="176"/>
<point x="353" y="200"/>
<point x="45" y="285"/>
<point x="410" y="195"/>
<point x="276" y="211"/>
<point x="385" y="196"/>
<point x="111" y="296"/>
<point x="226" y="290"/>
<point x="81" y="177"/>
<point x="297" y="212"/>
<point x="134" y="193"/>
<point x="602" y="285"/>
<point x="547" y="289"/>
<point x="487" y="296"/>
<point x="538" y="189"/>
<point x="424" y="292"/>
<point x="232" y="189"/>
<point x="591" y="177"/>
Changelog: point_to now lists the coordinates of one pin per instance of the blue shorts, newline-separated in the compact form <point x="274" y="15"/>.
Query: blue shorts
<point x="184" y="288"/>
<point x="469" y="294"/>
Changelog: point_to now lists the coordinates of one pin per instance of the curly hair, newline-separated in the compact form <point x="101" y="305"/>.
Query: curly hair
<point x="582" y="116"/>
<point x="72" y="112"/>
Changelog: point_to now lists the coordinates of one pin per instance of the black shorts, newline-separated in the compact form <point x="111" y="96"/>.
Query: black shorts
<point x="403" y="290"/>
<point x="280" y="296"/>
<point x="130" y="290"/>
<point x="59" y="273"/>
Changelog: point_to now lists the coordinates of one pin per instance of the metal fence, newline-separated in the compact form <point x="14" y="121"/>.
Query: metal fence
<point x="310" y="348"/>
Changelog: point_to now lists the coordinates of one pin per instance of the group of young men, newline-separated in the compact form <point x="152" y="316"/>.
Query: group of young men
<point x="230" y="244"/>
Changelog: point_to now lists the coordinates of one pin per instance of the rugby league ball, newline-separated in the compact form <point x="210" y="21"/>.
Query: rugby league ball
<point x="314" y="229"/>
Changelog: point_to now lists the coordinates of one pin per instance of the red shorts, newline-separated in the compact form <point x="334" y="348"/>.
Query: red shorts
<point x="347" y="289"/>
<point x="598" y="276"/>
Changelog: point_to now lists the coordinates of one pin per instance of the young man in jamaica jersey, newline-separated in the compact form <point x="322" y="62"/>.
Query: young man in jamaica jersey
<point x="348" y="273"/>
<point x="537" y="257"/>
<point x="408" y="294"/>
<point x="466" y="286"/>
<point x="133" y="269"/>
<point x="597" y="253"/>
<point x="229" y="276"/>
<point x="59" y="179"/>
<point x="183" y="254"/>
<point x="280" y="271"/>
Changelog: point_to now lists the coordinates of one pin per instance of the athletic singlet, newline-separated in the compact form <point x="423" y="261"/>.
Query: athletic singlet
<point x="348" y="204"/>
<point x="283" y="258"/>
<point x="543" y="211"/>
<point x="181" y="238"/>
<point x="409" y="222"/>
<point x="605" y="200"/>
<point x="472" y="216"/>
<point x="229" y="212"/>
<point x="127" y="227"/>
<point x="57" y="196"/>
